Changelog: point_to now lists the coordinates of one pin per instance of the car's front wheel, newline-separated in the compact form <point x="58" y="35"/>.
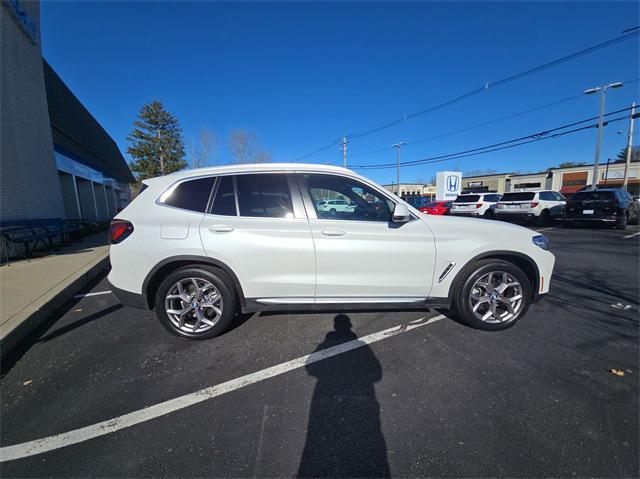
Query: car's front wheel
<point x="492" y="295"/>
<point x="196" y="302"/>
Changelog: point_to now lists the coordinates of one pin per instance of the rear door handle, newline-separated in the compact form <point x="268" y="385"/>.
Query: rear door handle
<point x="220" y="229"/>
<point x="333" y="232"/>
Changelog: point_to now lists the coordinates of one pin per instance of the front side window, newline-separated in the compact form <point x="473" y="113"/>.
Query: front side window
<point x="264" y="195"/>
<point x="190" y="195"/>
<point x="354" y="201"/>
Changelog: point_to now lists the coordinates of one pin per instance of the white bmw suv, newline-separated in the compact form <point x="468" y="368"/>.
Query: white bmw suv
<point x="201" y="246"/>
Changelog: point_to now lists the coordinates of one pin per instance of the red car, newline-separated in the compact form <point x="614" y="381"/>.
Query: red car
<point x="436" y="208"/>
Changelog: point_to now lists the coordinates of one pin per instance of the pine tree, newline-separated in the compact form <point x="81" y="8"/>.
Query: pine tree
<point x="635" y="154"/>
<point x="156" y="143"/>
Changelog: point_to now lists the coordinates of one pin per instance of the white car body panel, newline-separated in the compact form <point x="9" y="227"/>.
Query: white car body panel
<point x="278" y="260"/>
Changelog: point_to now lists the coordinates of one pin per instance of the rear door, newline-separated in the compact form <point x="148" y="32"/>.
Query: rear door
<point x="257" y="226"/>
<point x="361" y="256"/>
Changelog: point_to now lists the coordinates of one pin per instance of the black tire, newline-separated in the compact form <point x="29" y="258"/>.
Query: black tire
<point x="462" y="308"/>
<point x="636" y="220"/>
<point x="219" y="279"/>
<point x="544" y="219"/>
<point x="622" y="222"/>
<point x="489" y="214"/>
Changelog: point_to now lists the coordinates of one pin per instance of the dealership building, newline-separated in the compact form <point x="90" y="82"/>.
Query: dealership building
<point x="56" y="161"/>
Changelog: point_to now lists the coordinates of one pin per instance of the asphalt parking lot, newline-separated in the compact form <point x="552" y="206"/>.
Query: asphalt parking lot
<point x="390" y="393"/>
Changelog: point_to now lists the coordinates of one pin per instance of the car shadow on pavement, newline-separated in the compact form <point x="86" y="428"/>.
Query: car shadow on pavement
<point x="344" y="435"/>
<point x="81" y="322"/>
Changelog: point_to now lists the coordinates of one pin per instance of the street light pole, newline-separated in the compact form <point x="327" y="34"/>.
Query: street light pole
<point x="602" y="91"/>
<point x="397" y="146"/>
<point x="627" y="163"/>
<point x="344" y="151"/>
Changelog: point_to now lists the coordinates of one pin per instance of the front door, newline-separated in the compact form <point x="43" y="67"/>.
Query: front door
<point x="258" y="227"/>
<point x="361" y="256"/>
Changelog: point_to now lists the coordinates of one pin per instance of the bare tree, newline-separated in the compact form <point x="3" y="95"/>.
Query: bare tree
<point x="245" y="148"/>
<point x="204" y="150"/>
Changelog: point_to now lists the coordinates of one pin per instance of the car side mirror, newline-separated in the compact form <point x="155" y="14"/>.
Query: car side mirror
<point x="401" y="213"/>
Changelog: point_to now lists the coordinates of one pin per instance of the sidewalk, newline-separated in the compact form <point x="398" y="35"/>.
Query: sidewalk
<point x="30" y="291"/>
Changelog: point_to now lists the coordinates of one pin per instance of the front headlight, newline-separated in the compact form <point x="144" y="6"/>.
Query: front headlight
<point x="541" y="241"/>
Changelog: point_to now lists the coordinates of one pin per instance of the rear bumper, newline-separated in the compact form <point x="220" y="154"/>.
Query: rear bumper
<point x="468" y="214"/>
<point x="128" y="298"/>
<point x="514" y="216"/>
<point x="605" y="219"/>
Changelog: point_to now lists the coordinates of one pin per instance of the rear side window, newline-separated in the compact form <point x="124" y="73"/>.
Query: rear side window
<point x="528" y="196"/>
<point x="547" y="196"/>
<point x="264" y="195"/>
<point x="224" y="203"/>
<point x="191" y="195"/>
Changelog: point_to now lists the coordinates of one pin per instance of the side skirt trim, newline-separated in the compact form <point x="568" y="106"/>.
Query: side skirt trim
<point x="343" y="305"/>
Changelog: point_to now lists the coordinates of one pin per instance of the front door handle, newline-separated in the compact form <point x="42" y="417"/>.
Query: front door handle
<point x="333" y="232"/>
<point x="220" y="229"/>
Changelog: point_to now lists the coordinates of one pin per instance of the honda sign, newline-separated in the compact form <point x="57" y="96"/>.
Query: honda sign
<point x="448" y="185"/>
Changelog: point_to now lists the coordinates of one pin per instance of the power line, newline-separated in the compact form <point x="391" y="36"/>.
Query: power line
<point x="485" y="87"/>
<point x="334" y="143"/>
<point x="556" y="135"/>
<point x="543" y="135"/>
<point x="504" y="81"/>
<point x="487" y="123"/>
<point x="472" y="127"/>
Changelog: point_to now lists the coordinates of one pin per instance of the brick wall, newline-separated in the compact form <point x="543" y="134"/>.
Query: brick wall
<point x="29" y="185"/>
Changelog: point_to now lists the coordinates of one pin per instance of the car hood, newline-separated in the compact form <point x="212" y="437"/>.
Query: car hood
<point x="453" y="227"/>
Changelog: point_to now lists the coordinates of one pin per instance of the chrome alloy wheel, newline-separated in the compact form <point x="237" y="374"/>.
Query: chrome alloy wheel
<point x="193" y="305"/>
<point x="496" y="297"/>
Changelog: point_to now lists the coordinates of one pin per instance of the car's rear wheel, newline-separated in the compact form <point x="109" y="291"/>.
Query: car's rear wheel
<point x="545" y="218"/>
<point x="492" y="295"/>
<point x="489" y="214"/>
<point x="623" y="221"/>
<point x="196" y="302"/>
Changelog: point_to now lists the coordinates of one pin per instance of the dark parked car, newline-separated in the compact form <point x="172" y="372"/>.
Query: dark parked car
<point x="603" y="206"/>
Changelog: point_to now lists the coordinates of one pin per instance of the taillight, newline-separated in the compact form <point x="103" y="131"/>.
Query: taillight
<point x="478" y="205"/>
<point x="119" y="231"/>
<point x="534" y="204"/>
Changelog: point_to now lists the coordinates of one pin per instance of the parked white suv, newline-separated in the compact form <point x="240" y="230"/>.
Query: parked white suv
<point x="335" y="206"/>
<point x="475" y="204"/>
<point x="202" y="246"/>
<point x="540" y="207"/>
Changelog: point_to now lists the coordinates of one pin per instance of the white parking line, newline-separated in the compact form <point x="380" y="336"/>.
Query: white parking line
<point x="545" y="229"/>
<point x="631" y="235"/>
<point x="38" y="446"/>
<point x="91" y="294"/>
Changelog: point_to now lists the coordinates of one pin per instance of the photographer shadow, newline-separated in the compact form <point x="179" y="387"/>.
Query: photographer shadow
<point x="344" y="435"/>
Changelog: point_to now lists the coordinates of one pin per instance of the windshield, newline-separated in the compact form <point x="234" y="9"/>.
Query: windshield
<point x="524" y="196"/>
<point x="467" y="199"/>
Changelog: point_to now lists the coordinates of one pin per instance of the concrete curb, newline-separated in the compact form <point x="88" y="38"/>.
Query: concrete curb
<point x="55" y="304"/>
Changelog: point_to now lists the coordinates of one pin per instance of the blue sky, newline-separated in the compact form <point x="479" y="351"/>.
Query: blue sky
<point x="303" y="74"/>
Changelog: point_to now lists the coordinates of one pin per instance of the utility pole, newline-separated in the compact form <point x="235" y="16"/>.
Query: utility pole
<point x="344" y="151"/>
<point x="397" y="146"/>
<point x="602" y="90"/>
<point x="629" y="143"/>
